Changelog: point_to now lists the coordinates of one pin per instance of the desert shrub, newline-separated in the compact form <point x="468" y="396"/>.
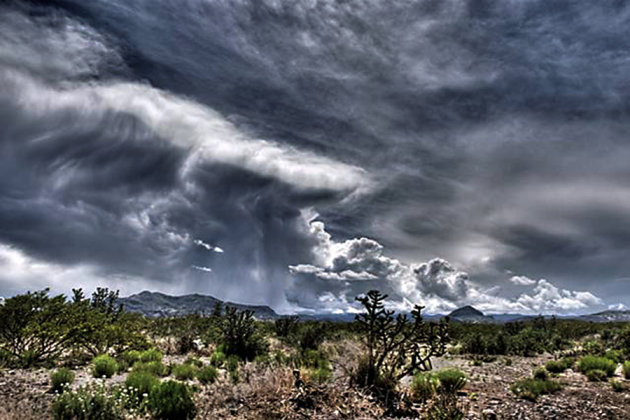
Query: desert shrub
<point x="445" y="407"/>
<point x="130" y="357"/>
<point x="30" y="358"/>
<point x="617" y="386"/>
<point x="444" y="403"/>
<point x="423" y="386"/>
<point x="172" y="400"/>
<point x="141" y="381"/>
<point x="596" y="375"/>
<point x="622" y="340"/>
<point x="102" y="326"/>
<point x="280" y="358"/>
<point x="593" y="347"/>
<point x="35" y="328"/>
<point x="5" y="358"/>
<point x="614" y="355"/>
<point x="559" y="366"/>
<point x="589" y="363"/>
<point x="155" y="368"/>
<point x="387" y="337"/>
<point x="207" y="374"/>
<point x="286" y="326"/>
<point x="139" y="386"/>
<point x="61" y="379"/>
<point x="193" y="361"/>
<point x="555" y="366"/>
<point x="528" y="342"/>
<point x="104" y="366"/>
<point x="183" y="372"/>
<point x="626" y="369"/>
<point x="218" y="358"/>
<point x="240" y="335"/>
<point x="86" y="403"/>
<point x="450" y="380"/>
<point x="310" y="335"/>
<point x="541" y="374"/>
<point x="530" y="388"/>
<point x="151" y="355"/>
<point x="232" y="364"/>
<point x="312" y="359"/>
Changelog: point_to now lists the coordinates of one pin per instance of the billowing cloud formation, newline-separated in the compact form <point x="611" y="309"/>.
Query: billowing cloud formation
<point x="492" y="134"/>
<point x="352" y="267"/>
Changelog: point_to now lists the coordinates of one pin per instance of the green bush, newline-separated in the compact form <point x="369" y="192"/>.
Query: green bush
<point x="241" y="337"/>
<point x="555" y="366"/>
<point x="614" y="355"/>
<point x="626" y="369"/>
<point x="596" y="375"/>
<point x="592" y="347"/>
<point x="61" y="379"/>
<point x="232" y="363"/>
<point x="140" y="384"/>
<point x="450" y="380"/>
<point x="218" y="358"/>
<point x="530" y="388"/>
<point x="151" y="355"/>
<point x="172" y="400"/>
<point x="207" y="375"/>
<point x="568" y="362"/>
<point x="35" y="328"/>
<point x="183" y="372"/>
<point x="155" y="368"/>
<point x="104" y="366"/>
<point x="86" y="403"/>
<point x="193" y="361"/>
<point x="541" y="374"/>
<point x="423" y="386"/>
<point x="131" y="356"/>
<point x="588" y="363"/>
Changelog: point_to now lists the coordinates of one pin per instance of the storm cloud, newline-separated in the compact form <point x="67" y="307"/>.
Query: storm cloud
<point x="298" y="154"/>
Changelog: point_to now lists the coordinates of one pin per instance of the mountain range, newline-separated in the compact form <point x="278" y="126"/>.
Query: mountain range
<point x="155" y="305"/>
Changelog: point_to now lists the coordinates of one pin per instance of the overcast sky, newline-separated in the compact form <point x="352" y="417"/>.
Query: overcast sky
<point x="297" y="154"/>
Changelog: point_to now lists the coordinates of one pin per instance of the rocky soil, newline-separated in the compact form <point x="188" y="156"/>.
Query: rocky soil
<point x="270" y="394"/>
<point x="488" y="393"/>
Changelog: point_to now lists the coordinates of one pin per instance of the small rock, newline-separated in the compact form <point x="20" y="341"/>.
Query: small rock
<point x="489" y="414"/>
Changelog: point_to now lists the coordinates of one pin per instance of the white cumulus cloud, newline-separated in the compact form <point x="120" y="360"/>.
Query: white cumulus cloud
<point x="343" y="270"/>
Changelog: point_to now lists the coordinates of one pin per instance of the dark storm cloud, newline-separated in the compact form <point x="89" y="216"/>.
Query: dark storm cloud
<point x="489" y="133"/>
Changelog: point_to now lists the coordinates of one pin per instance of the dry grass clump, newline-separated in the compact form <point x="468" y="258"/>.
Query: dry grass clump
<point x="266" y="392"/>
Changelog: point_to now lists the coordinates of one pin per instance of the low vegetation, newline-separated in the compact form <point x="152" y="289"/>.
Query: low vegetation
<point x="61" y="379"/>
<point x="532" y="388"/>
<point x="166" y="368"/>
<point x="598" y="364"/>
<point x="104" y="366"/>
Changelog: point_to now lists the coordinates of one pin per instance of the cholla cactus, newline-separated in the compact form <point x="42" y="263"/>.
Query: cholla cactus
<point x="397" y="345"/>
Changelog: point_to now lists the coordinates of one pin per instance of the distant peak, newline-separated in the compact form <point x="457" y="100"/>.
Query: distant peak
<point x="466" y="311"/>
